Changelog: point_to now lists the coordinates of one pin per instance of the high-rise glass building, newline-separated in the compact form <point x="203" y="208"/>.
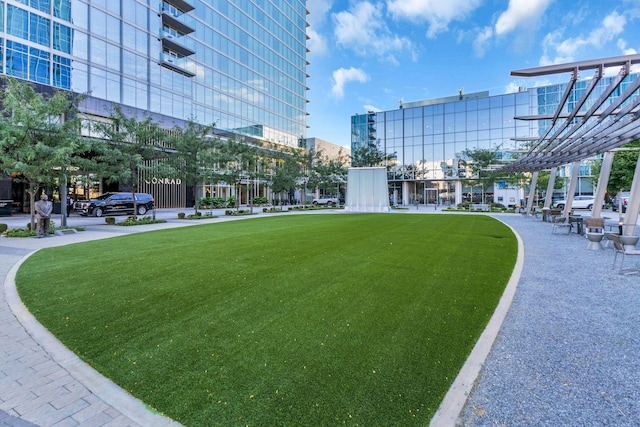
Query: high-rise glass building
<point x="239" y="64"/>
<point x="428" y="139"/>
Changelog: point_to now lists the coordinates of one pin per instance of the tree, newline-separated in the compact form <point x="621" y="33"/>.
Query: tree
<point x="330" y="172"/>
<point x="40" y="136"/>
<point x="623" y="168"/>
<point x="196" y="155"/>
<point x="370" y="155"/>
<point x="239" y="161"/>
<point x="480" y="162"/>
<point x="130" y="149"/>
<point x="285" y="172"/>
<point x="306" y="159"/>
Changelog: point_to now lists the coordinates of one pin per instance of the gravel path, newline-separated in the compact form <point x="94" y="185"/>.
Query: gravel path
<point x="568" y="350"/>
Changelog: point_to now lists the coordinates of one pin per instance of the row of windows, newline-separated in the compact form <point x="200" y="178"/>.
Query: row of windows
<point x="518" y="101"/>
<point x="35" y="64"/>
<point x="61" y="8"/>
<point x="253" y="49"/>
<point x="37" y="29"/>
<point x="113" y="87"/>
<point x="421" y="141"/>
<point x="280" y="26"/>
<point x="127" y="76"/>
<point x="472" y="121"/>
<point x="545" y="100"/>
<point x="137" y="39"/>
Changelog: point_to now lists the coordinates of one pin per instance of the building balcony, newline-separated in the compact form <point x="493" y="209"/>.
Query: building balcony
<point x="177" y="64"/>
<point x="183" y="24"/>
<point x="183" y="5"/>
<point x="169" y="42"/>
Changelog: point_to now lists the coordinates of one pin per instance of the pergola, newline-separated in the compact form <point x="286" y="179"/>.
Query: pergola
<point x="597" y="122"/>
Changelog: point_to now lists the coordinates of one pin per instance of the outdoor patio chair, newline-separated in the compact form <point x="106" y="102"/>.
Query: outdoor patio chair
<point x="560" y="222"/>
<point x="623" y="251"/>
<point x="594" y="232"/>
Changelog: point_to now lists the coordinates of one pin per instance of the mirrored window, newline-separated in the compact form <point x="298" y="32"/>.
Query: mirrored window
<point x="61" y="37"/>
<point x="40" y="29"/>
<point x="17" y="22"/>
<point x="80" y="45"/>
<point x="61" y="72"/>
<point x="39" y="66"/>
<point x="17" y="59"/>
<point x="62" y="9"/>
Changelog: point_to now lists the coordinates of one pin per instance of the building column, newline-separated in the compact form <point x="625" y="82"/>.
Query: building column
<point x="575" y="172"/>
<point x="633" y="208"/>
<point x="548" y="198"/>
<point x="532" y="192"/>
<point x="405" y="193"/>
<point x="603" y="180"/>
<point x="458" y="192"/>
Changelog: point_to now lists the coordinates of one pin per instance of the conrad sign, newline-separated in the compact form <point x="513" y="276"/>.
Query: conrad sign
<point x="164" y="181"/>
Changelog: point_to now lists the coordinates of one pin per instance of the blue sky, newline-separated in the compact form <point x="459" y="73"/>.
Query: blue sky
<point x="368" y="55"/>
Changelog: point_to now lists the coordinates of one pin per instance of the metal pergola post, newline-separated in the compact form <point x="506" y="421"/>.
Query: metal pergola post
<point x="603" y="180"/>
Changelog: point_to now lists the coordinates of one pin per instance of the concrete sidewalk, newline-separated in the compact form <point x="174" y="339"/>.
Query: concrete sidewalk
<point x="41" y="382"/>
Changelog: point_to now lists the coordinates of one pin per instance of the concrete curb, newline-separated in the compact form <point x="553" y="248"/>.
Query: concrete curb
<point x="98" y="384"/>
<point x="453" y="403"/>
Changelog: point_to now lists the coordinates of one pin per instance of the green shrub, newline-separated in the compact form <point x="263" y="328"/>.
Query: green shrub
<point x="231" y="212"/>
<point x="19" y="232"/>
<point x="132" y="220"/>
<point x="110" y="220"/>
<point x="180" y="215"/>
<point x="199" y="215"/>
<point x="260" y="201"/>
<point x="211" y="202"/>
<point x="273" y="210"/>
<point x="3" y="227"/>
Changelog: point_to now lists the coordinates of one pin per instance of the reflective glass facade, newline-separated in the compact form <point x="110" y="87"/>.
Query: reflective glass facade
<point x="239" y="64"/>
<point x="428" y="138"/>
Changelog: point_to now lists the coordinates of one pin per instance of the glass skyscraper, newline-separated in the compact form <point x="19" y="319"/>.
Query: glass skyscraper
<point x="239" y="64"/>
<point x="428" y="138"/>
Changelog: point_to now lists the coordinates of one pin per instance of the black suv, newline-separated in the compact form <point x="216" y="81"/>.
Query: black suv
<point x="114" y="203"/>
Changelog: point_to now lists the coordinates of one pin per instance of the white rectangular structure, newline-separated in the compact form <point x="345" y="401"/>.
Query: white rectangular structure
<point x="367" y="190"/>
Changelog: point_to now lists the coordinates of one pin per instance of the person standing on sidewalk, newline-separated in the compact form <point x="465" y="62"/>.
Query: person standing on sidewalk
<point x="43" y="208"/>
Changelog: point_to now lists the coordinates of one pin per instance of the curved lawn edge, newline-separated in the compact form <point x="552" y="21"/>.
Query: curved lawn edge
<point x="111" y="393"/>
<point x="456" y="398"/>
<point x="101" y="386"/>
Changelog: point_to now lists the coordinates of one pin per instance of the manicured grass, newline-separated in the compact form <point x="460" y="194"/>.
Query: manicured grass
<point x="294" y="320"/>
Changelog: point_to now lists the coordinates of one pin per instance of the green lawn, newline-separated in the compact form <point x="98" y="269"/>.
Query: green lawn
<point x="357" y="319"/>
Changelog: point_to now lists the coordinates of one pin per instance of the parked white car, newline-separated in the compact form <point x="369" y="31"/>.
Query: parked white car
<point x="326" y="200"/>
<point x="579" y="202"/>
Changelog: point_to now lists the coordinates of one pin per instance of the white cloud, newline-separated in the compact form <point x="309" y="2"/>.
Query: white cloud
<point x="342" y="76"/>
<point x="363" y="30"/>
<point x="512" y="88"/>
<point x="484" y="35"/>
<point x="318" y="10"/>
<point x="558" y="51"/>
<point x="622" y="45"/>
<point x="317" y="44"/>
<point x="438" y="13"/>
<point x="521" y="13"/>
